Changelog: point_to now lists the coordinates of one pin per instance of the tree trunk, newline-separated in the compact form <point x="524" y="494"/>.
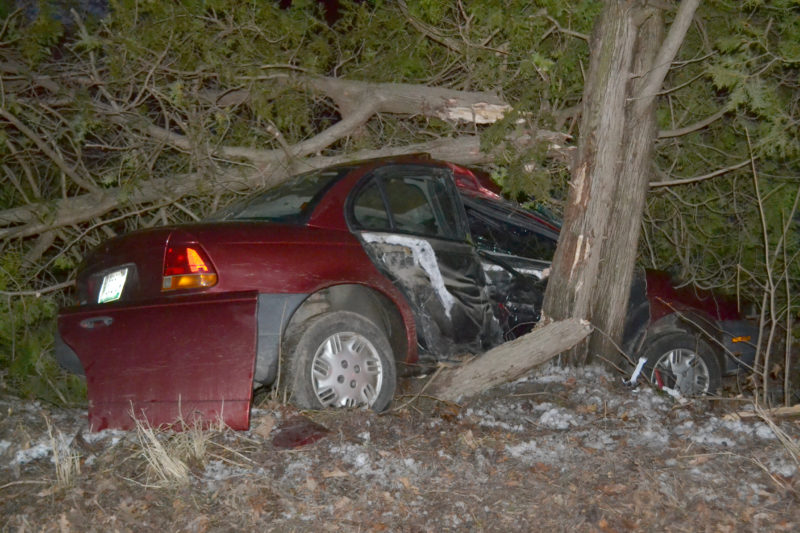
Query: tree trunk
<point x="509" y="361"/>
<point x="593" y="265"/>
<point x="613" y="283"/>
<point x="576" y="265"/>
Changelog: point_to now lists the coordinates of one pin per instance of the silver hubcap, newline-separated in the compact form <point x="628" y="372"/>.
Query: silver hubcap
<point x="682" y="370"/>
<point x="346" y="371"/>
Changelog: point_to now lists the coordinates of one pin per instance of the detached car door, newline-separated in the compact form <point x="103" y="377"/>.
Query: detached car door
<point x="173" y="359"/>
<point x="412" y="225"/>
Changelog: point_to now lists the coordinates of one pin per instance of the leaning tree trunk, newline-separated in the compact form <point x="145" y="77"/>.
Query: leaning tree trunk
<point x="508" y="361"/>
<point x="593" y="265"/>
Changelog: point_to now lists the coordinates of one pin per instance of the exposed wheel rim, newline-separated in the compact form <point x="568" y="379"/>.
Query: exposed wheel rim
<point x="346" y="371"/>
<point x="683" y="370"/>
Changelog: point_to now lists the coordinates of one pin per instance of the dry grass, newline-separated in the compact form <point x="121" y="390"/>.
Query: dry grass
<point x="167" y="467"/>
<point x="67" y="463"/>
<point x="172" y="455"/>
<point x="791" y="445"/>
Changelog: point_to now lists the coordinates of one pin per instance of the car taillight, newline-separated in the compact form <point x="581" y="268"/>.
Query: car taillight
<point x="187" y="267"/>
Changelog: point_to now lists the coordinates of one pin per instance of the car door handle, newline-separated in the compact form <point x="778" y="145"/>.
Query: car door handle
<point x="90" y="323"/>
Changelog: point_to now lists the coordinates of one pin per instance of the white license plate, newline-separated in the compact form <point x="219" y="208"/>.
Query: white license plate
<point x="112" y="286"/>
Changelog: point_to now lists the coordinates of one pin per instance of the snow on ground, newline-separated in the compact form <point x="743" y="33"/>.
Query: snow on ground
<point x="596" y="454"/>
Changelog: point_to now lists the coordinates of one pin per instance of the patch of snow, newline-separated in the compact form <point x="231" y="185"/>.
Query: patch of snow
<point x="4" y="445"/>
<point x="361" y="460"/>
<point x="599" y="440"/>
<point x="522" y="449"/>
<point x="557" y="418"/>
<point x="653" y="437"/>
<point x="549" y="449"/>
<point x="41" y="449"/>
<point x="489" y="420"/>
<point x="782" y="467"/>
<point x="763" y="431"/>
<point x="298" y="470"/>
<point x="114" y="436"/>
<point x="220" y="471"/>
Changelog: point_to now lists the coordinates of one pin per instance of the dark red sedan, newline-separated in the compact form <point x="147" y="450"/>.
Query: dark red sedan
<point x="329" y="286"/>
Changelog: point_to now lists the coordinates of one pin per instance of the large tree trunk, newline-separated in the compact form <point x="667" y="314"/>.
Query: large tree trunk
<point x="619" y="247"/>
<point x="593" y="265"/>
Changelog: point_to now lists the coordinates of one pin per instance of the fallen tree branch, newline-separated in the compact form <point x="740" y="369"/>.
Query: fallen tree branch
<point x="358" y="102"/>
<point x="510" y="360"/>
<point x="37" y="218"/>
<point x="42" y="145"/>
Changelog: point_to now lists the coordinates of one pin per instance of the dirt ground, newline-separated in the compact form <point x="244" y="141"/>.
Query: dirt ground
<point x="562" y="450"/>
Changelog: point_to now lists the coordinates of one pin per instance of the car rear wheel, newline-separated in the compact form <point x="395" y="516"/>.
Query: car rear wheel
<point x="682" y="362"/>
<point x="339" y="359"/>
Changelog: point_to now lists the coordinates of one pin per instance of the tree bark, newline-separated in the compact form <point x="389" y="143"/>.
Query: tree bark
<point x="619" y="248"/>
<point x="508" y="361"/>
<point x="593" y="265"/>
<point x="576" y="264"/>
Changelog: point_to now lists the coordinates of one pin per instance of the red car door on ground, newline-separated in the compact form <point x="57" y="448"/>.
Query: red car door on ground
<point x="166" y="360"/>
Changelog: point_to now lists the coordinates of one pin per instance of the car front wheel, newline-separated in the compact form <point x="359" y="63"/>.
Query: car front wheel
<point x="339" y="359"/>
<point x="682" y="362"/>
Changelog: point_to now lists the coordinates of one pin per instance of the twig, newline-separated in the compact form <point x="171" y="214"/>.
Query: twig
<point x="24" y="482"/>
<point x="684" y="181"/>
<point x="39" y="292"/>
<point x="419" y="394"/>
<point x="666" y="134"/>
<point x="39" y="142"/>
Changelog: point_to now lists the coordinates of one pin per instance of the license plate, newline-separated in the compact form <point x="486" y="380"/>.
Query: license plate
<point x="112" y="286"/>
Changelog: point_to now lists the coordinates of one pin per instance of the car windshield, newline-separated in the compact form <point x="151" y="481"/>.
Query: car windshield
<point x="291" y="202"/>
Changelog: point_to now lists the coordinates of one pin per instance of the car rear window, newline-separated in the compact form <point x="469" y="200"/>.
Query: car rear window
<point x="291" y="202"/>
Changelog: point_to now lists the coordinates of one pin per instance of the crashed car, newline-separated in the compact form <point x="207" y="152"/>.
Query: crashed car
<point x="331" y="285"/>
<point x="689" y="338"/>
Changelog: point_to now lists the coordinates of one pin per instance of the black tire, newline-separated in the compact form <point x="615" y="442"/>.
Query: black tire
<point x="339" y="359"/>
<point x="683" y="362"/>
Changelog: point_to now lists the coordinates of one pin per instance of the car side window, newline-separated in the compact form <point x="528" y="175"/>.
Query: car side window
<point x="411" y="210"/>
<point x="369" y="211"/>
<point x="502" y="235"/>
<point x="419" y="202"/>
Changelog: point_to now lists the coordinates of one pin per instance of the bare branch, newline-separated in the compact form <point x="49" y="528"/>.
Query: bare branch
<point x="39" y="292"/>
<point x="704" y="177"/>
<point x="42" y="145"/>
<point x="677" y="31"/>
<point x="565" y="31"/>
<point x="429" y="31"/>
<point x="666" y="134"/>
